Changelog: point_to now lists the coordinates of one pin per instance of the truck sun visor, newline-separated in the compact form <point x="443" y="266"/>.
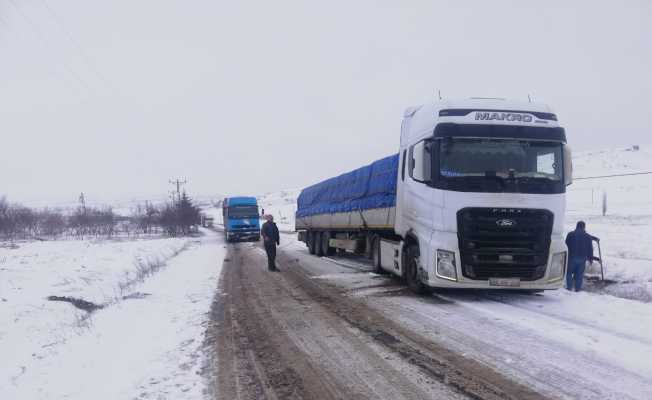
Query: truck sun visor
<point x="449" y="129"/>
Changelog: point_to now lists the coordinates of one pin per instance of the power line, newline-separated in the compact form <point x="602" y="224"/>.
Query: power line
<point x="613" y="176"/>
<point x="75" y="43"/>
<point x="178" y="184"/>
<point x="5" y="23"/>
<point x="39" y="34"/>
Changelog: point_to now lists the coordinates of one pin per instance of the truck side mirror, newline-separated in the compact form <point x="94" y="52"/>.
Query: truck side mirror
<point x="568" y="165"/>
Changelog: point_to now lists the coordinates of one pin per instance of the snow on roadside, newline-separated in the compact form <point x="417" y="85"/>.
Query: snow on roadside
<point x="627" y="226"/>
<point x="608" y="328"/>
<point x="282" y="205"/>
<point x="216" y="213"/>
<point x="54" y="350"/>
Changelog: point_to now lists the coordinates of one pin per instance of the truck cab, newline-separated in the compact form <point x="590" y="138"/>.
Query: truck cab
<point x="241" y="219"/>
<point x="480" y="199"/>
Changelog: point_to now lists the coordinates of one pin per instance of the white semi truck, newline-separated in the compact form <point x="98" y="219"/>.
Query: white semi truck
<point x="475" y="198"/>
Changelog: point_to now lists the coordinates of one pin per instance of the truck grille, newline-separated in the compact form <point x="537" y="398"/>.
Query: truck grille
<point x="244" y="226"/>
<point x="504" y="242"/>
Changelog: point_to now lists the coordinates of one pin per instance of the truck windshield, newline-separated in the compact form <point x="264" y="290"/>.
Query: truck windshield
<point x="501" y="165"/>
<point x="243" y="211"/>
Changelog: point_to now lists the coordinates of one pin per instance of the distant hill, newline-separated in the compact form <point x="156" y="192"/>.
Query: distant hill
<point x="626" y="196"/>
<point x="122" y="206"/>
<point x="612" y="161"/>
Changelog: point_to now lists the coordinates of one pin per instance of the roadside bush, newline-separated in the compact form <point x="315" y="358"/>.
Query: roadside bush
<point x="179" y="218"/>
<point x="173" y="219"/>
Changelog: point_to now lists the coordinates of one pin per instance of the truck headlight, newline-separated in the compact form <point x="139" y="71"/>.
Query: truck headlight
<point x="557" y="266"/>
<point x="446" y="265"/>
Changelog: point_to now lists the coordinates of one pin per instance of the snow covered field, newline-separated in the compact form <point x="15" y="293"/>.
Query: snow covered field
<point x="149" y="300"/>
<point x="626" y="229"/>
<point x="282" y="205"/>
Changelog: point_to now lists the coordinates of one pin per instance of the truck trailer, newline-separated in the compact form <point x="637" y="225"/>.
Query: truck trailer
<point x="241" y="219"/>
<point x="475" y="198"/>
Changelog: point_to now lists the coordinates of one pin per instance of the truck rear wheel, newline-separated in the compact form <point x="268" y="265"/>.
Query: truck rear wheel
<point x="412" y="271"/>
<point x="311" y="242"/>
<point x="375" y="255"/>
<point x="326" y="248"/>
<point x="318" y="247"/>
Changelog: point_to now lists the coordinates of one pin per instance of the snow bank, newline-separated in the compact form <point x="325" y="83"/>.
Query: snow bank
<point x="146" y="347"/>
<point x="33" y="329"/>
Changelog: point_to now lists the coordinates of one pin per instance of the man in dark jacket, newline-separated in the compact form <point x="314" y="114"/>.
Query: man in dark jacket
<point x="580" y="250"/>
<point x="271" y="238"/>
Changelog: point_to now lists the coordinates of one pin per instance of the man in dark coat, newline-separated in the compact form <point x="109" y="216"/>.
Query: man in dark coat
<point x="580" y="250"/>
<point x="271" y="239"/>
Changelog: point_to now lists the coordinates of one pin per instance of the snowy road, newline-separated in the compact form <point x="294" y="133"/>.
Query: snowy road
<point x="328" y="328"/>
<point x="319" y="329"/>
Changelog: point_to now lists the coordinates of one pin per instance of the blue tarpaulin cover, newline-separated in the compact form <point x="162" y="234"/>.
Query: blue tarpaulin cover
<point x="372" y="186"/>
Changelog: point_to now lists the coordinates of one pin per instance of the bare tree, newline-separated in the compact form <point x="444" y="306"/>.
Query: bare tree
<point x="4" y="216"/>
<point x="51" y="223"/>
<point x="150" y="216"/>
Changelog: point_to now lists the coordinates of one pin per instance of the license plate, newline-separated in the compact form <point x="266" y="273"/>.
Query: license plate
<point x="509" y="282"/>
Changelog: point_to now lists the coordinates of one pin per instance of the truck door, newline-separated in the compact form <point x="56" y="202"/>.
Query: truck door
<point x="418" y="210"/>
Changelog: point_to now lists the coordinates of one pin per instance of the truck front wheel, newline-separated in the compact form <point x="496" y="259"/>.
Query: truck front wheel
<point x="412" y="271"/>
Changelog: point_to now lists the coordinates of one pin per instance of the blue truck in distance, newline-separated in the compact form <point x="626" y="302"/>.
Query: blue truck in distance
<point x="241" y="219"/>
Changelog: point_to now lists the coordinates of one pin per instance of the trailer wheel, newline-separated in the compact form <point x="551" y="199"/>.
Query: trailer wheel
<point x="412" y="271"/>
<point x="311" y="242"/>
<point x="375" y="255"/>
<point x="318" y="247"/>
<point x="326" y="248"/>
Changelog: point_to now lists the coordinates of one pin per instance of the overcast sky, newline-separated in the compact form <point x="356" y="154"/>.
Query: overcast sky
<point x="114" y="98"/>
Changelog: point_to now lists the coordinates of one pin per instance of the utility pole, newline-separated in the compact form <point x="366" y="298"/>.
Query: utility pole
<point x="83" y="222"/>
<point x="82" y="203"/>
<point x="178" y="183"/>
